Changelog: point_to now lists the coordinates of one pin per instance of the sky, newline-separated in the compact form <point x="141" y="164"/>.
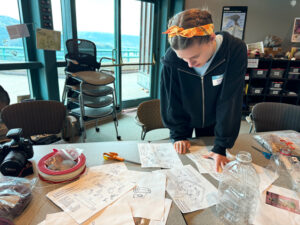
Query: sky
<point x="92" y="15"/>
<point x="10" y="9"/>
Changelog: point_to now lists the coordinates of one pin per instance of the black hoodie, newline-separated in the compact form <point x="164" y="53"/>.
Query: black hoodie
<point x="190" y="101"/>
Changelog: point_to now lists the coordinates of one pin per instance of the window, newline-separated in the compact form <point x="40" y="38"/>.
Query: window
<point x="60" y="55"/>
<point x="15" y="82"/>
<point x="136" y="38"/>
<point x="57" y="26"/>
<point x="95" y="22"/>
<point x="10" y="50"/>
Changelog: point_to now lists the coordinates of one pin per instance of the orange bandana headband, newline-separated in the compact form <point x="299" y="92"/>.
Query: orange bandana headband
<point x="204" y="30"/>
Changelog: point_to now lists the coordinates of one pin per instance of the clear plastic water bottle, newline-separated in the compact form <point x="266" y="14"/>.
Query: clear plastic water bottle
<point x="238" y="192"/>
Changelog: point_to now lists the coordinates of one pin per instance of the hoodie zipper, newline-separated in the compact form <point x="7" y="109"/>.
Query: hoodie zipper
<point x="203" y="101"/>
<point x="202" y="85"/>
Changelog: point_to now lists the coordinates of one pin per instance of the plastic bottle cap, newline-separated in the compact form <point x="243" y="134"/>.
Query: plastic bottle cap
<point x="244" y="157"/>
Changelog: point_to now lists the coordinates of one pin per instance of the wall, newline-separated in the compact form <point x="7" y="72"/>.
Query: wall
<point x="264" y="17"/>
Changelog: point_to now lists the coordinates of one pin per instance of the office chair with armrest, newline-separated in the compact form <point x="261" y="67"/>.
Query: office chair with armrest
<point x="88" y="93"/>
<point x="148" y="116"/>
<point x="35" y="117"/>
<point x="271" y="116"/>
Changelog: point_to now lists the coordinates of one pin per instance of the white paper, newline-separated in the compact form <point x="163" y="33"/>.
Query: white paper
<point x="147" y="199"/>
<point x="267" y="214"/>
<point x="190" y="190"/>
<point x="163" y="221"/>
<point x="88" y="195"/>
<point x="266" y="177"/>
<point x="204" y="165"/>
<point x="134" y="176"/>
<point x="158" y="155"/>
<point x="42" y="223"/>
<point x="113" y="168"/>
<point x="17" y="31"/>
<point x="59" y="219"/>
<point x="115" y="214"/>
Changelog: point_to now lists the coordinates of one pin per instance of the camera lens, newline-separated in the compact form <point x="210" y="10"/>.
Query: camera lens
<point x="13" y="163"/>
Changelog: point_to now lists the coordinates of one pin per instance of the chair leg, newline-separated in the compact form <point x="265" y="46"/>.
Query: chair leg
<point x="115" y="103"/>
<point x="84" y="134"/>
<point x="115" y="113"/>
<point x="97" y="128"/>
<point x="81" y="105"/>
<point x="143" y="134"/>
<point x="117" y="133"/>
<point x="64" y="91"/>
<point x="114" y="97"/>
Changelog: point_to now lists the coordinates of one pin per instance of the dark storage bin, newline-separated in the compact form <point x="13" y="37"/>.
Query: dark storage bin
<point x="295" y="69"/>
<point x="275" y="91"/>
<point x="275" y="84"/>
<point x="256" y="90"/>
<point x="294" y="75"/>
<point x="276" y="73"/>
<point x="259" y="73"/>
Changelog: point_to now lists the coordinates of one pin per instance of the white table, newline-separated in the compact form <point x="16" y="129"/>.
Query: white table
<point x="40" y="205"/>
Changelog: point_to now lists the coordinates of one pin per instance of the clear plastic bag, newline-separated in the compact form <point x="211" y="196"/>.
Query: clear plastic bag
<point x="63" y="159"/>
<point x="280" y="141"/>
<point x="292" y="166"/>
<point x="286" y="166"/>
<point x="15" y="195"/>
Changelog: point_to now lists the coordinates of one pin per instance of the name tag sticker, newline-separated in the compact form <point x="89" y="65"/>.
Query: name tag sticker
<point x="217" y="80"/>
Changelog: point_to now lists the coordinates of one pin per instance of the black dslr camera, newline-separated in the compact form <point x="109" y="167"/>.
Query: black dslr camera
<point x="14" y="154"/>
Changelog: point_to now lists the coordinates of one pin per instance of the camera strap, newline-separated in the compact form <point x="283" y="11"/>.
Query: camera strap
<point x="27" y="170"/>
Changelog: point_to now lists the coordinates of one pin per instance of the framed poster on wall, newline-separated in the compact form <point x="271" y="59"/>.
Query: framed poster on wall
<point x="234" y="20"/>
<point x="296" y="30"/>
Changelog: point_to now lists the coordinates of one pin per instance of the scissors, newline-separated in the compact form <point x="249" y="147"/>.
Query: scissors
<point x="115" y="156"/>
<point x="265" y="154"/>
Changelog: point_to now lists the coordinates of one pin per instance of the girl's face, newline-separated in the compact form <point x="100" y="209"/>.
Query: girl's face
<point x="198" y="54"/>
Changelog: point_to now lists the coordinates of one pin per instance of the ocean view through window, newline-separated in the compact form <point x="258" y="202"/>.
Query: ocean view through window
<point x="94" y="23"/>
<point x="15" y="82"/>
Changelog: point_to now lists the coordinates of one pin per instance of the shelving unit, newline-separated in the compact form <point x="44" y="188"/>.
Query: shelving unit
<point x="274" y="80"/>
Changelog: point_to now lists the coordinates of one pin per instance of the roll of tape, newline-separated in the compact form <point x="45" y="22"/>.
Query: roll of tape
<point x="52" y="176"/>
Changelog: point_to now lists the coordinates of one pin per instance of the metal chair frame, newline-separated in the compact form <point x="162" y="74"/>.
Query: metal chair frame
<point x="82" y="92"/>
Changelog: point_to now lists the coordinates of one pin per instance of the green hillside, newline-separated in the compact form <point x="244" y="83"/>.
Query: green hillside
<point x="102" y="40"/>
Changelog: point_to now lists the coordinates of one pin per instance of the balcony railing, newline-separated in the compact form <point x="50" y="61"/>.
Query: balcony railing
<point x="13" y="53"/>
